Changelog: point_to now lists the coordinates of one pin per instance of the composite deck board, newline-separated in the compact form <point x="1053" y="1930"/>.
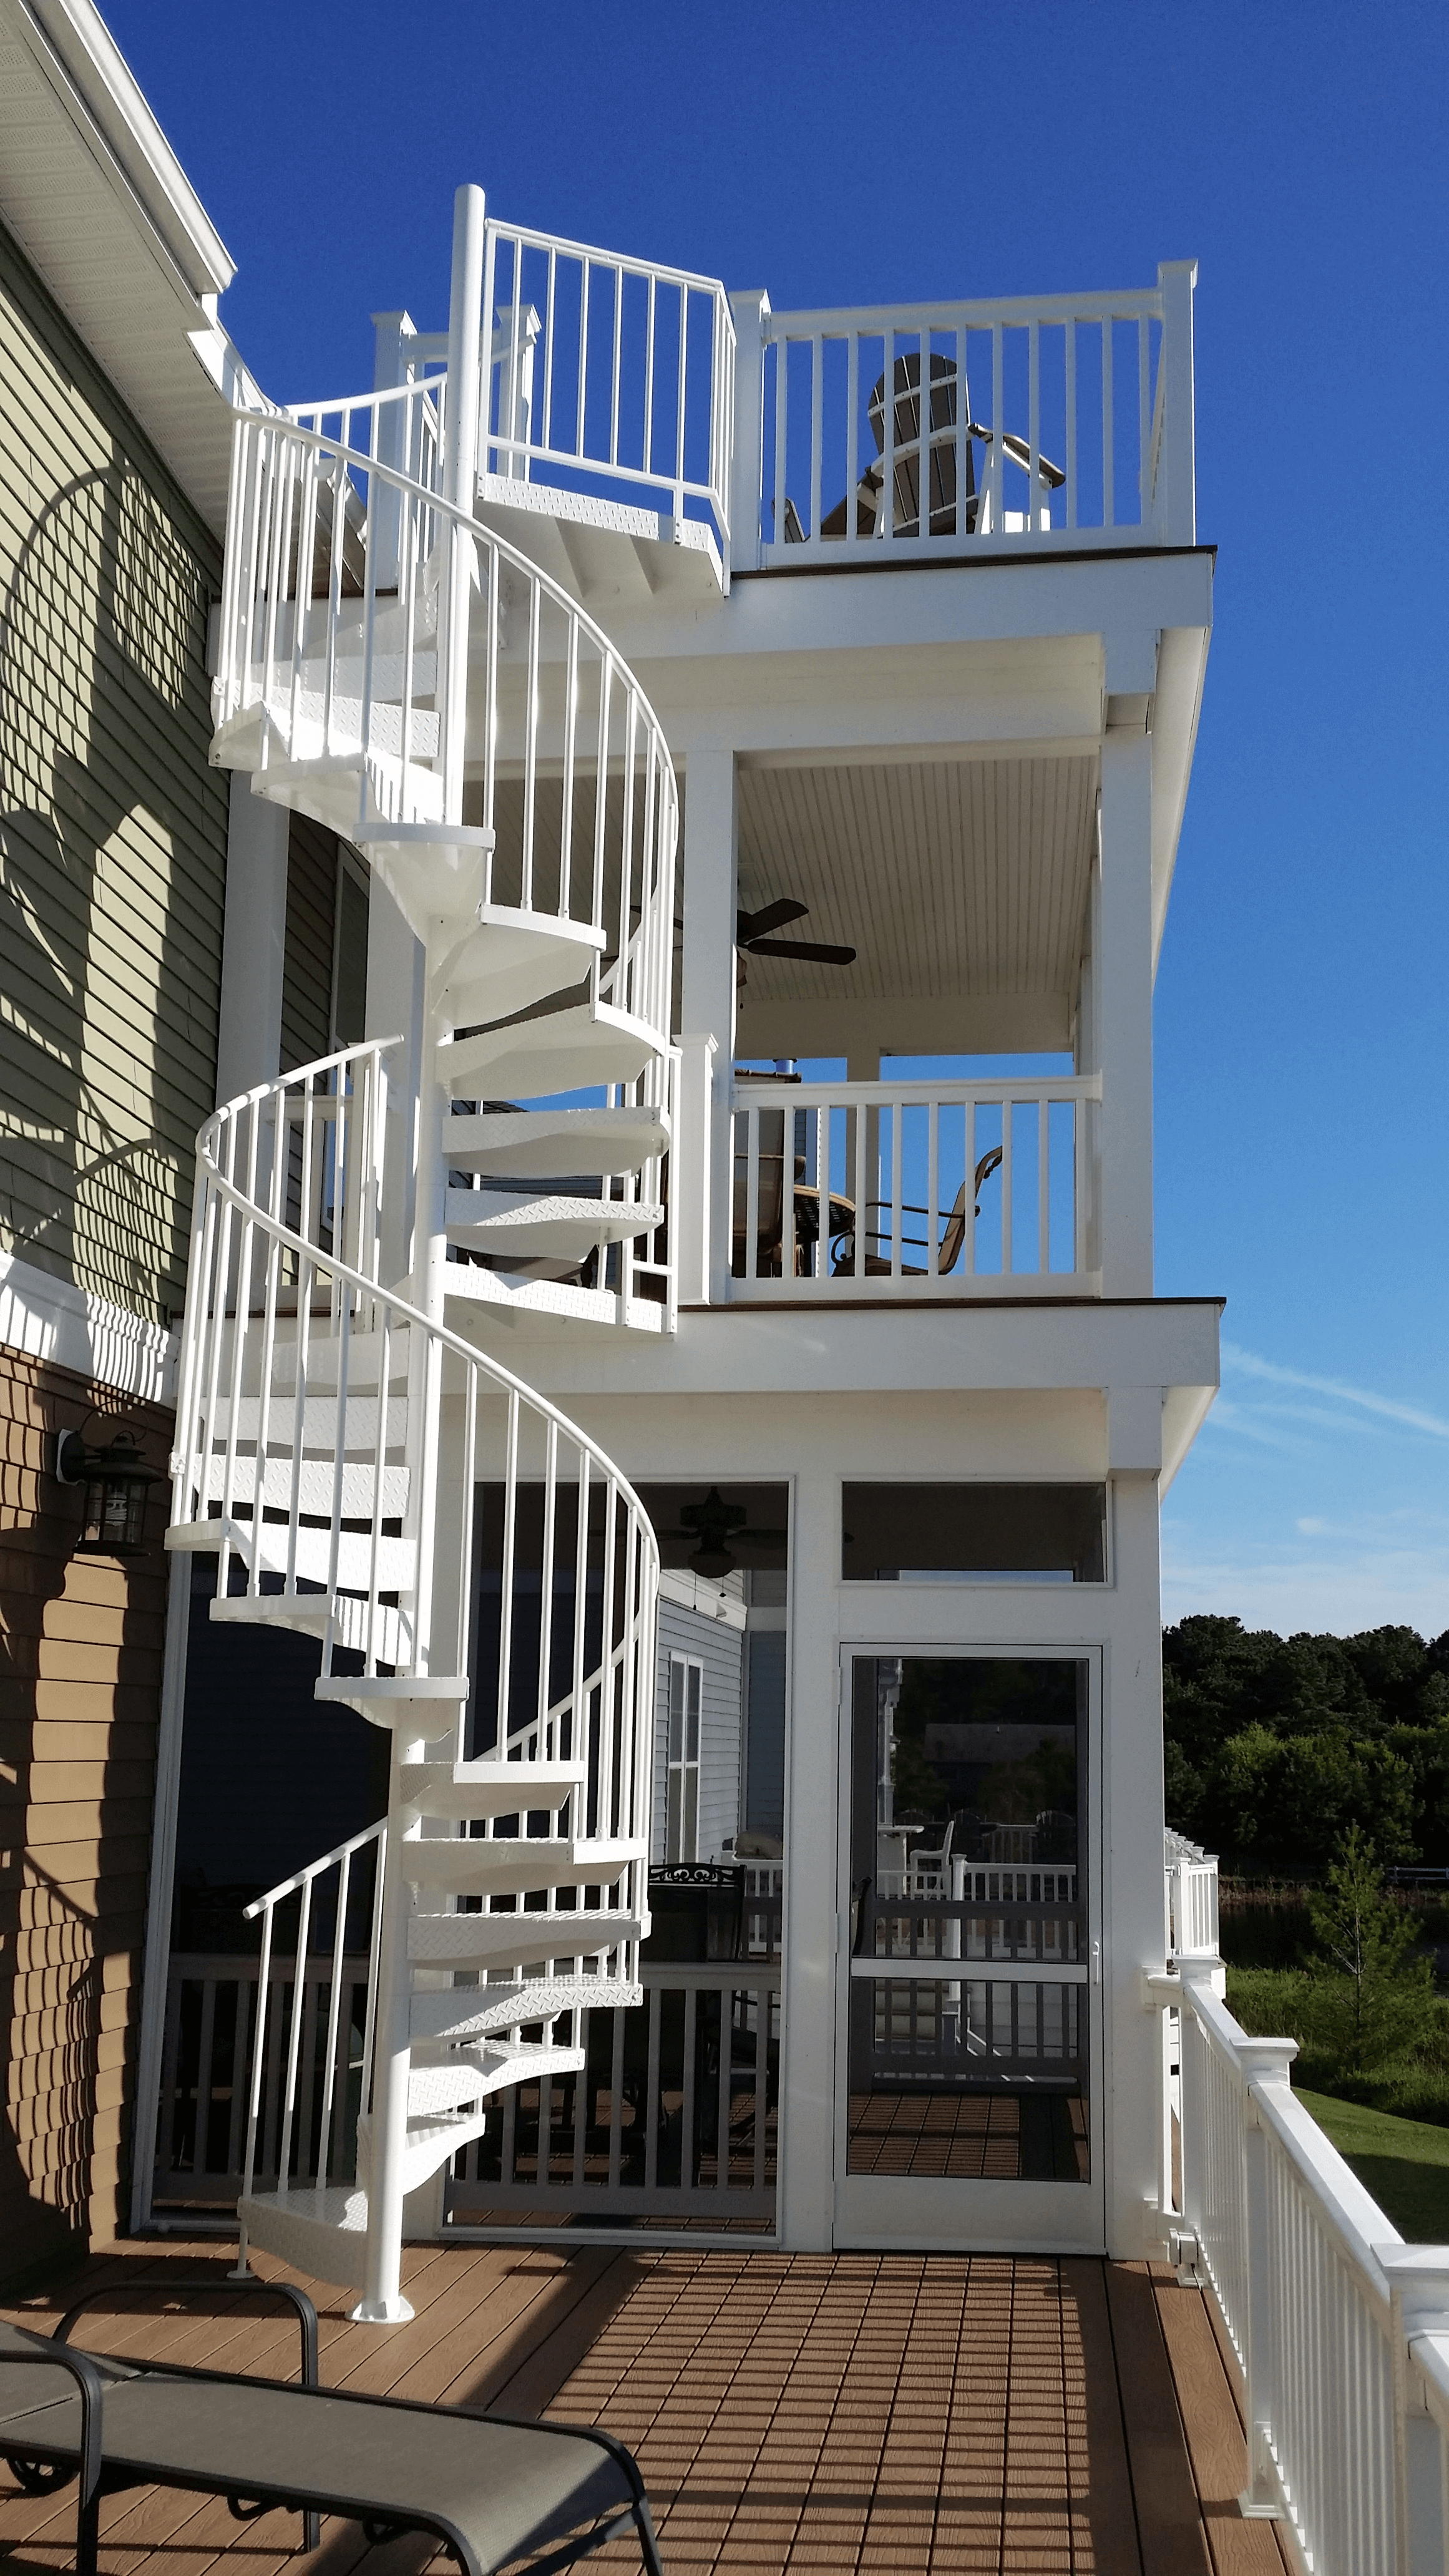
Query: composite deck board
<point x="795" y="2415"/>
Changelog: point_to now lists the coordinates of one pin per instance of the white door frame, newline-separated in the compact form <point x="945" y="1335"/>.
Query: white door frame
<point x="924" y="2213"/>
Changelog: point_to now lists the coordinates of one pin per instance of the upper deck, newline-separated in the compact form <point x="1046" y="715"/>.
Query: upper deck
<point x="647" y="432"/>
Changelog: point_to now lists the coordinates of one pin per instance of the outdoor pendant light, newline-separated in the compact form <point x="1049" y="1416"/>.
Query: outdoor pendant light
<point x="116" y="1482"/>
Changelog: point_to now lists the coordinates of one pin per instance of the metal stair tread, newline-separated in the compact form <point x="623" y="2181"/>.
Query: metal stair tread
<point x="506" y="1219"/>
<point x="488" y="1788"/>
<point x="470" y="1865"/>
<point x="537" y="1145"/>
<point x="513" y="1940"/>
<point x="557" y="1051"/>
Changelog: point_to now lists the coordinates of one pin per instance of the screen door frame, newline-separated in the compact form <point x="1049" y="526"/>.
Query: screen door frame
<point x="947" y="2214"/>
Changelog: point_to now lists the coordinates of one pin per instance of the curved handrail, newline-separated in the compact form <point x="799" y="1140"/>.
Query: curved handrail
<point x="360" y="1281"/>
<point x="358" y="660"/>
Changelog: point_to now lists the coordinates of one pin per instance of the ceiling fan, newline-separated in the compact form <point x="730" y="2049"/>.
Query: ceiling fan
<point x="717" y="1528"/>
<point x="752" y="931"/>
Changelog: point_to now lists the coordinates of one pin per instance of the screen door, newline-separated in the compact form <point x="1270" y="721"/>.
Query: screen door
<point x="970" y="1995"/>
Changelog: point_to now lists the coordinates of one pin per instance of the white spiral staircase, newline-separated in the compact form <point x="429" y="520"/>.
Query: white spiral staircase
<point x="482" y="1579"/>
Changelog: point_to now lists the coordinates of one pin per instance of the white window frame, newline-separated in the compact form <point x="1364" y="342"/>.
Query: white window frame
<point x="685" y="1723"/>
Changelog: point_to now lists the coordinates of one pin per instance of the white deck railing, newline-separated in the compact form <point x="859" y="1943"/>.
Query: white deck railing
<point x="609" y="376"/>
<point x="1341" y="2330"/>
<point x="1057" y="422"/>
<point x="915" y="1188"/>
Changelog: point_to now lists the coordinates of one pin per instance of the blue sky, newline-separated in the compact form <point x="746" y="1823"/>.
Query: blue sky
<point x="844" y="154"/>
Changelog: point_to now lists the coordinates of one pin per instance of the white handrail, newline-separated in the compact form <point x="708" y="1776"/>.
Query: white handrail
<point x="597" y="374"/>
<point x="1341" y="2329"/>
<point x="339" y="661"/>
<point x="914" y="1188"/>
<point x="304" y="1881"/>
<point x="1047" y="423"/>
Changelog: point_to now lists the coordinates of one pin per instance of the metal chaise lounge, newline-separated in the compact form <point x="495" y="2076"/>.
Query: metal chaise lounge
<point x="491" y="2489"/>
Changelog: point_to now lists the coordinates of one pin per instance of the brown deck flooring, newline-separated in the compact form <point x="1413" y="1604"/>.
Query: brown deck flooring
<point x="855" y="2414"/>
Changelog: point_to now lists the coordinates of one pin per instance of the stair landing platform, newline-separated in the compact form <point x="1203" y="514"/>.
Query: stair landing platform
<point x="910" y="2415"/>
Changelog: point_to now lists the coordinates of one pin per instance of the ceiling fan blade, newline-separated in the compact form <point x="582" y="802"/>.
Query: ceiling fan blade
<point x="771" y="916"/>
<point x="813" y="950"/>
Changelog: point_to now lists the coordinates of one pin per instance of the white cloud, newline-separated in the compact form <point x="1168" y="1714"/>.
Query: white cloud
<point x="1411" y="1416"/>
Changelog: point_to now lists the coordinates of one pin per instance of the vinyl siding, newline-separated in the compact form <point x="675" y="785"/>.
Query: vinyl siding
<point x="719" y="1649"/>
<point x="112" y="825"/>
<point x="80" y="1673"/>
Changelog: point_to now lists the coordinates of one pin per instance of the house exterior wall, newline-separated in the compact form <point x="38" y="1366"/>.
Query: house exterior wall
<point x="79" y="1695"/>
<point x="113" y="828"/>
<point x="718" y="1647"/>
<point x="112" y="872"/>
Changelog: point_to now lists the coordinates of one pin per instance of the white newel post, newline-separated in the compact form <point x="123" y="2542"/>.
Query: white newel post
<point x="1418" y="2278"/>
<point x="707" y="1001"/>
<point x="749" y="311"/>
<point x="1263" y="2061"/>
<point x="383" y="2301"/>
<point x="694" y="1163"/>
<point x="1175" y="515"/>
<point x="1123" y="970"/>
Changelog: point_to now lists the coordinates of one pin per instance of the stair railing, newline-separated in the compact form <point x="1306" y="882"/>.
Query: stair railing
<point x="297" y="1446"/>
<point x="321" y="2116"/>
<point x="332" y="649"/>
<point x="610" y="371"/>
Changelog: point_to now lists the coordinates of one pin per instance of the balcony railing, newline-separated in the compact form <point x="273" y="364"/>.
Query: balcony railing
<point x="1337" y="2327"/>
<point x="1046" y="424"/>
<point x="611" y="379"/>
<point x="915" y="1189"/>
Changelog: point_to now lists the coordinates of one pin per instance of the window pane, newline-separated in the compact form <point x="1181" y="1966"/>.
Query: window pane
<point x="1035" y="1533"/>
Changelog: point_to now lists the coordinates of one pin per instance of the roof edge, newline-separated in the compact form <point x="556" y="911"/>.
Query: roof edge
<point x="74" y="43"/>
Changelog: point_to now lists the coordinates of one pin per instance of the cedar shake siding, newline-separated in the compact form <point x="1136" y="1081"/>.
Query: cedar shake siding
<point x="112" y="826"/>
<point x="80" y="1674"/>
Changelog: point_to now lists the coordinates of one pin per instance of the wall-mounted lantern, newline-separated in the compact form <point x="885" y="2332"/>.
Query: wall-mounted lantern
<point x="116" y="1482"/>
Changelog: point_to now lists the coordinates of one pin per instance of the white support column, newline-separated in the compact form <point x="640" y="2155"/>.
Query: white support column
<point x="707" y="995"/>
<point x="1132" y="1895"/>
<point x="156" y="1958"/>
<point x="814" y="1792"/>
<point x="1123" y="1014"/>
<point x="253" y="941"/>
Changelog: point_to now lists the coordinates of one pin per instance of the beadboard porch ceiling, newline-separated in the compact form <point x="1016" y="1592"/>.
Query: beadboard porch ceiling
<point x="961" y="884"/>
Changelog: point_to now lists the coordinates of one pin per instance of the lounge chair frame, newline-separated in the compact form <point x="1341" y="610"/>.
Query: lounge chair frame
<point x="31" y="2451"/>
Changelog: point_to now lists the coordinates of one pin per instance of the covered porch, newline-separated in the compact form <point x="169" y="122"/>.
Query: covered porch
<point x="922" y="2413"/>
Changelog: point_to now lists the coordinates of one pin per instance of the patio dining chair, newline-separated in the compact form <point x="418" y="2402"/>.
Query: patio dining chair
<point x="492" y="2489"/>
<point x="952" y="1238"/>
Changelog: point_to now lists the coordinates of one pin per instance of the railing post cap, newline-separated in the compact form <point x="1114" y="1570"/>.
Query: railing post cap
<point x="1171" y="268"/>
<point x="753" y="301"/>
<point x="1266" y="2059"/>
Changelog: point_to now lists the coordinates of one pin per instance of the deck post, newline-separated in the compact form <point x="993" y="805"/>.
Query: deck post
<point x="707" y="994"/>
<point x="1264" y="2061"/>
<point x="1419" y="2289"/>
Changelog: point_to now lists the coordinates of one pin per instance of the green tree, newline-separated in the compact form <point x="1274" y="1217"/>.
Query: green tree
<point x="1368" y="2000"/>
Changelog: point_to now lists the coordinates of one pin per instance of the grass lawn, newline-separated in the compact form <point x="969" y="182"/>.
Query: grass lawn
<point x="1404" y="2163"/>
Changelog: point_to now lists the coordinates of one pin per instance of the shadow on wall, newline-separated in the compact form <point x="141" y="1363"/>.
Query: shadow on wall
<point x="108" y="1035"/>
<point x="80" y="1665"/>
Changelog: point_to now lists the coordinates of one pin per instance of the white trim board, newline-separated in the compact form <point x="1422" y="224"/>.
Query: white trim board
<point x="51" y="1319"/>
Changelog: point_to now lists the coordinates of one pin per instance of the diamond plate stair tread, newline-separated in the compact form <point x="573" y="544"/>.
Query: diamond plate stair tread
<point x="472" y="2013"/>
<point x="561" y="1051"/>
<point x="548" y="1144"/>
<point x="470" y="1866"/>
<point x="512" y="1940"/>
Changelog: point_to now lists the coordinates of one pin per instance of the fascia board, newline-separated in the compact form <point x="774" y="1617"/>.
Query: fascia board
<point x="927" y="604"/>
<point x="1087" y="1344"/>
<point x="112" y="121"/>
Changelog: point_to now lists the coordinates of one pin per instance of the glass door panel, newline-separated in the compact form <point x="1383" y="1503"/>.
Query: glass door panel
<point x="969" y="1994"/>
